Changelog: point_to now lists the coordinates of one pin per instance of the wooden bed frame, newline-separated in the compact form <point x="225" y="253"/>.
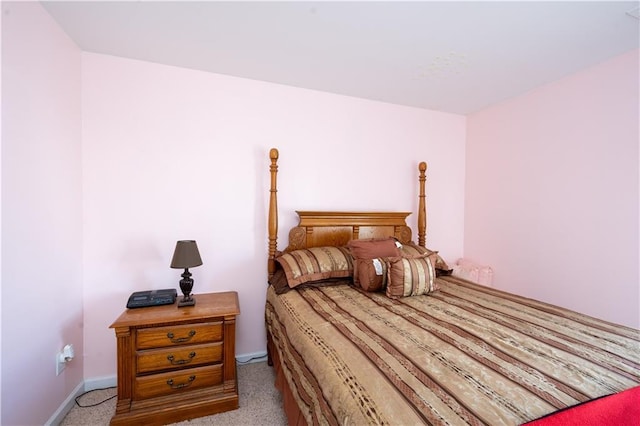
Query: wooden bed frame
<point x="317" y="228"/>
<point x="321" y="228"/>
<point x="329" y="228"/>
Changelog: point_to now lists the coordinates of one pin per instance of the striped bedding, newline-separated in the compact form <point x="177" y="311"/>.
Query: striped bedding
<point x="466" y="354"/>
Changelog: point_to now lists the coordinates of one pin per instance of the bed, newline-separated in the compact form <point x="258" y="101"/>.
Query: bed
<point x="423" y="347"/>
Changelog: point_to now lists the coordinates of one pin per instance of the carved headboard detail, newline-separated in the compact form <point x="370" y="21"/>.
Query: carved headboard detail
<point x="338" y="228"/>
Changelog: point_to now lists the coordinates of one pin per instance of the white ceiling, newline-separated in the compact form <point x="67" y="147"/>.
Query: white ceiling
<point x="449" y="56"/>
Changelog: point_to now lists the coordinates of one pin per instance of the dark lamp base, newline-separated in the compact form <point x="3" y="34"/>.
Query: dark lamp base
<point x="186" y="285"/>
<point x="190" y="302"/>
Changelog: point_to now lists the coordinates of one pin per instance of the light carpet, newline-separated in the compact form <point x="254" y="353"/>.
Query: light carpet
<point x="260" y="403"/>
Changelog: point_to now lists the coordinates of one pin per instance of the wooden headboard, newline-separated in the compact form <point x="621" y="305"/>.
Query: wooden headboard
<point x="316" y="228"/>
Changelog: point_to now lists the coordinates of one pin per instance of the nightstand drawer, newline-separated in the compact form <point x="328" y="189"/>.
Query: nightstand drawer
<point x="184" y="356"/>
<point x="177" y="381"/>
<point x="158" y="337"/>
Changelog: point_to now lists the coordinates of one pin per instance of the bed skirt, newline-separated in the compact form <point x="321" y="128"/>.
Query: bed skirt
<point x="291" y="409"/>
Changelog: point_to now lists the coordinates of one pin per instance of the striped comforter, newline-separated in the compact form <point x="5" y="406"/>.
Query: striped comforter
<point x="466" y="354"/>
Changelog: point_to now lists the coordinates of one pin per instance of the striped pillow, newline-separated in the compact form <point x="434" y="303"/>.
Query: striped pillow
<point x="411" y="276"/>
<point x="316" y="263"/>
<point x="410" y="250"/>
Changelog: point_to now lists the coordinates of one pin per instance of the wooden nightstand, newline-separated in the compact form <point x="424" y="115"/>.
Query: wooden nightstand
<point x="177" y="363"/>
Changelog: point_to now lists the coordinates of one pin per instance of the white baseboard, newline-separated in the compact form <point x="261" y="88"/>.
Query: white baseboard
<point x="253" y="357"/>
<point x="100" y="383"/>
<point x="112" y="381"/>
<point x="65" y="407"/>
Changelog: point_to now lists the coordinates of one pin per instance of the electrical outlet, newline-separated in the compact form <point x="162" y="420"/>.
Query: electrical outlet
<point x="60" y="363"/>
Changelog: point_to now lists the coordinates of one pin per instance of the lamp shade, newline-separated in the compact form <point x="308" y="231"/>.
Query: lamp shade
<point x="186" y="255"/>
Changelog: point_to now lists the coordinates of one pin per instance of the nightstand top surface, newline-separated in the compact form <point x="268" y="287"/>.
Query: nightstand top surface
<point x="208" y="305"/>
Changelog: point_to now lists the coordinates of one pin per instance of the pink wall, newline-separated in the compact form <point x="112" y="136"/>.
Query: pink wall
<point x="106" y="162"/>
<point x="41" y="214"/>
<point x="172" y="153"/>
<point x="552" y="191"/>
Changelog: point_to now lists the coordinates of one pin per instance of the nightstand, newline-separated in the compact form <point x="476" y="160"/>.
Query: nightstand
<point x="177" y="363"/>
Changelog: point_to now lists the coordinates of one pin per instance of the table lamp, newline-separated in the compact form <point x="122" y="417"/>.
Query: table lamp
<point x="186" y="255"/>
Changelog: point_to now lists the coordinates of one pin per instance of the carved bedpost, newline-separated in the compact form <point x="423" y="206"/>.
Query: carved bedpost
<point x="422" y="206"/>
<point x="273" y="212"/>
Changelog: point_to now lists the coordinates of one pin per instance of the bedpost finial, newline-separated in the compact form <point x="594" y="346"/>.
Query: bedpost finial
<point x="422" y="166"/>
<point x="273" y="154"/>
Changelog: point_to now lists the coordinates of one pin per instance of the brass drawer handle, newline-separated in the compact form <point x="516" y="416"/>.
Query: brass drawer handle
<point x="181" y="339"/>
<point x="173" y="361"/>
<point x="181" y="385"/>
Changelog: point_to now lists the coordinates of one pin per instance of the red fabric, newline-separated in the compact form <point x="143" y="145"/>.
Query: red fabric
<point x="621" y="409"/>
